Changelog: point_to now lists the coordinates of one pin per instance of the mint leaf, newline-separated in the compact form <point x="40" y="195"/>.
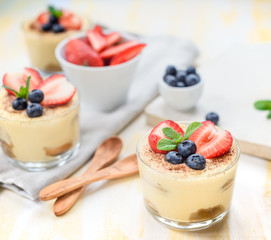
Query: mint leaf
<point x="263" y="105"/>
<point x="179" y="138"/>
<point x="166" y="144"/>
<point x="170" y="133"/>
<point x="269" y="115"/>
<point x="191" y="128"/>
<point x="55" y="12"/>
<point x="27" y="86"/>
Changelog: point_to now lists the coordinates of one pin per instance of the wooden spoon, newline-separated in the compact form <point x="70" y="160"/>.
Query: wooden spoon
<point x="105" y="155"/>
<point x="123" y="168"/>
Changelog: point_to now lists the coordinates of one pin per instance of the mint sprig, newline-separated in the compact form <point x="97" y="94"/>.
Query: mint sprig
<point x="264" y="105"/>
<point x="175" y="138"/>
<point x="23" y="92"/>
<point x="55" y="12"/>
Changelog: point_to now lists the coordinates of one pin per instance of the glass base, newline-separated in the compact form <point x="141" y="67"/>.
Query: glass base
<point x="185" y="226"/>
<point x="42" y="166"/>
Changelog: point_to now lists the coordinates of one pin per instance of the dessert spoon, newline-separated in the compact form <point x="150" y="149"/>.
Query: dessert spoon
<point x="122" y="168"/>
<point x="105" y="155"/>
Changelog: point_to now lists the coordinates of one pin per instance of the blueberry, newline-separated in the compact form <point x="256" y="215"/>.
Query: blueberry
<point x="53" y="19"/>
<point x="187" y="148"/>
<point x="192" y="79"/>
<point x="19" y="104"/>
<point x="171" y="70"/>
<point x="180" y="75"/>
<point x="34" y="110"/>
<point x="180" y="84"/>
<point x="196" y="161"/>
<point x="36" y="96"/>
<point x="46" y="27"/>
<point x="57" y="28"/>
<point x="213" y="117"/>
<point x="174" y="157"/>
<point x="190" y="70"/>
<point x="171" y="80"/>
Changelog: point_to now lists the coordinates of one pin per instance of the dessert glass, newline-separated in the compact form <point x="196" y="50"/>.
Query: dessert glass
<point x="36" y="144"/>
<point x="187" y="202"/>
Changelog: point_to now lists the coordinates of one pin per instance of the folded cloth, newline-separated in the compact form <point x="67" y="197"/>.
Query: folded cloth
<point x="96" y="127"/>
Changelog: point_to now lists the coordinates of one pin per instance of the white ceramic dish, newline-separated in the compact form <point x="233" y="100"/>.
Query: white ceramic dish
<point x="181" y="99"/>
<point x="101" y="88"/>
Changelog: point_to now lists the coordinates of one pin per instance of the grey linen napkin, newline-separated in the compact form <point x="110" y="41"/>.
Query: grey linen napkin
<point x="96" y="127"/>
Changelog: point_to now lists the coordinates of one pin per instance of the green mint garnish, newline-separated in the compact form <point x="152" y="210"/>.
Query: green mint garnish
<point x="55" y="12"/>
<point x="23" y="92"/>
<point x="264" y="105"/>
<point x="175" y="138"/>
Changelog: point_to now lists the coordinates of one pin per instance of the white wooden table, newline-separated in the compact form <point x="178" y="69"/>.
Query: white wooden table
<point x="114" y="210"/>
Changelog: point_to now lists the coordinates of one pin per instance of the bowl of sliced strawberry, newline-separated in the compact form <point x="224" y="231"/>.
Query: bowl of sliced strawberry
<point x="101" y="64"/>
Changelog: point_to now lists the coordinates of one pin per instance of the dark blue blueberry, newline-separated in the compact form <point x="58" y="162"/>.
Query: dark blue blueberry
<point x="192" y="79"/>
<point x="213" y="117"/>
<point x="57" y="28"/>
<point x="180" y="84"/>
<point x="180" y="75"/>
<point x="190" y="70"/>
<point x="53" y="19"/>
<point x="46" y="27"/>
<point x="187" y="148"/>
<point x="174" y="157"/>
<point x="171" y="70"/>
<point x="170" y="80"/>
<point x="34" y="110"/>
<point x="196" y="162"/>
<point x="36" y="96"/>
<point x="19" y="104"/>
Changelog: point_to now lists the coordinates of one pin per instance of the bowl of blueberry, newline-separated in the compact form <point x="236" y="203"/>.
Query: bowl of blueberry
<point x="181" y="89"/>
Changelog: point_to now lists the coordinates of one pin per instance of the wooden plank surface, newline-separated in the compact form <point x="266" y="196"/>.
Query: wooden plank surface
<point x="114" y="210"/>
<point x="232" y="83"/>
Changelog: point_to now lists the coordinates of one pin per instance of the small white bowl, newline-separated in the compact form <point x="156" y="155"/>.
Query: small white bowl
<point x="101" y="88"/>
<point x="181" y="99"/>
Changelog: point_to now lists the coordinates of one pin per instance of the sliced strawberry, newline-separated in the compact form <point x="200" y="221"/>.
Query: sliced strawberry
<point x="112" y="38"/>
<point x="127" y="54"/>
<point x="70" y="21"/>
<point x="15" y="80"/>
<point x="80" y="53"/>
<point x="157" y="134"/>
<point x="112" y="51"/>
<point x="210" y="142"/>
<point x="35" y="79"/>
<point x="96" y="40"/>
<point x="57" y="90"/>
<point x="43" y="18"/>
<point x="98" y="29"/>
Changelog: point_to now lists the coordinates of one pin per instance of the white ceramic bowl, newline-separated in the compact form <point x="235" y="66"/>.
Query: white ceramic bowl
<point x="101" y="88"/>
<point x="181" y="99"/>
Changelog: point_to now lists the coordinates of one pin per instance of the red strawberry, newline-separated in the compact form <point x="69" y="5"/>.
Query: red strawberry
<point x="98" y="29"/>
<point x="112" y="38"/>
<point x="80" y="53"/>
<point x="96" y="40"/>
<point x="43" y="18"/>
<point x="57" y="90"/>
<point x="112" y="51"/>
<point x="127" y="54"/>
<point x="15" y="80"/>
<point x="157" y="134"/>
<point x="210" y="142"/>
<point x="70" y="21"/>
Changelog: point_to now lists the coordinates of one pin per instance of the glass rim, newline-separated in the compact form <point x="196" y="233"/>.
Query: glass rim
<point x="178" y="175"/>
<point x="38" y="120"/>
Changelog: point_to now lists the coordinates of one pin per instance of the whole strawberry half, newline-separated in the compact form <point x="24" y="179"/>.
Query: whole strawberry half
<point x="57" y="90"/>
<point x="210" y="141"/>
<point x="157" y="134"/>
<point x="15" y="80"/>
<point x="79" y="52"/>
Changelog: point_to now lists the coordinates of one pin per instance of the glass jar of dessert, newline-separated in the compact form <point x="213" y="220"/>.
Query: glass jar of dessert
<point x="44" y="33"/>
<point x="39" y="120"/>
<point x="187" y="172"/>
